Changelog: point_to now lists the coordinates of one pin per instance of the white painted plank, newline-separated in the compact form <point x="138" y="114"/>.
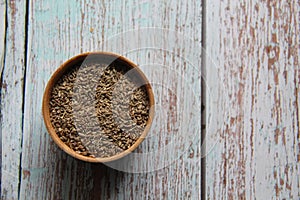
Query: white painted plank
<point x="253" y="148"/>
<point x="58" y="31"/>
<point x="2" y="47"/>
<point x="2" y="32"/>
<point x="11" y="98"/>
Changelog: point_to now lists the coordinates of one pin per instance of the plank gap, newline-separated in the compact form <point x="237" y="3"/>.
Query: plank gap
<point x="24" y="86"/>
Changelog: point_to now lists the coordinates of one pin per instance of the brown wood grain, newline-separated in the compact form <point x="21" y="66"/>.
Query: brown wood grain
<point x="253" y="150"/>
<point x="251" y="91"/>
<point x="58" y="31"/>
<point x="12" y="75"/>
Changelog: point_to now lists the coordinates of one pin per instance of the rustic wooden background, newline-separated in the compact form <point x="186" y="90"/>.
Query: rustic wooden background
<point x="250" y="86"/>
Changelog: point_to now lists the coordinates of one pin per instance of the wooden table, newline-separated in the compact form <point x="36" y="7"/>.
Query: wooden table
<point x="245" y="70"/>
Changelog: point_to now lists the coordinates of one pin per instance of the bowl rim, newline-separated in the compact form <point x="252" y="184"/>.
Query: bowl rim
<point x="46" y="107"/>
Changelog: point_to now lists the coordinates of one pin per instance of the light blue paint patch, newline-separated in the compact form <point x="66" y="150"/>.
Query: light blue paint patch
<point x="33" y="173"/>
<point x="43" y="16"/>
<point x="146" y="7"/>
<point x="50" y="12"/>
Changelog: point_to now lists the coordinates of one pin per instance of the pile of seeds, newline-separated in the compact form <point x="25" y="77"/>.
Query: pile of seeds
<point x="97" y="110"/>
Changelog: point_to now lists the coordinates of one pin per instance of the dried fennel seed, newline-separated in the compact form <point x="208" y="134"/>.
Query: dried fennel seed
<point x="92" y="116"/>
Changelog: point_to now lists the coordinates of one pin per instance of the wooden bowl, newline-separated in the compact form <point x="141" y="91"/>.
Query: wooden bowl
<point x="65" y="67"/>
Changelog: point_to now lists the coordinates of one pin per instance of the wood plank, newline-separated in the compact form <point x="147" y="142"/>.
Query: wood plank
<point x="253" y="148"/>
<point x="2" y="32"/>
<point x="12" y="98"/>
<point x="58" y="31"/>
<point x="2" y="48"/>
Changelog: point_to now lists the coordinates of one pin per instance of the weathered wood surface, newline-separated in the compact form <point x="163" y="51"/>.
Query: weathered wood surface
<point x="252" y="93"/>
<point x="2" y="46"/>
<point x="254" y="134"/>
<point x="12" y="97"/>
<point x="2" y="32"/>
<point x="60" y="30"/>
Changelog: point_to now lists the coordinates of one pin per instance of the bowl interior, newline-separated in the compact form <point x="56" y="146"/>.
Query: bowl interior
<point x="135" y="74"/>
